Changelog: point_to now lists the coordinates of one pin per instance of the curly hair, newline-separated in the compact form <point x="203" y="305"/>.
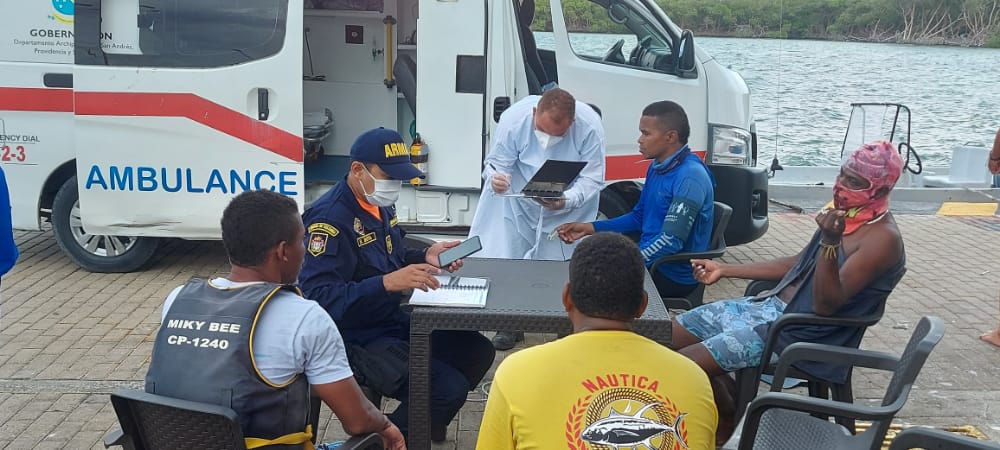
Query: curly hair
<point x="256" y="221"/>
<point x="670" y="116"/>
<point x="606" y="275"/>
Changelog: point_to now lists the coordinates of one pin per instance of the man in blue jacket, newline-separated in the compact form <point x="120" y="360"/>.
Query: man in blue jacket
<point x="357" y="267"/>
<point x="8" y="249"/>
<point x="674" y="212"/>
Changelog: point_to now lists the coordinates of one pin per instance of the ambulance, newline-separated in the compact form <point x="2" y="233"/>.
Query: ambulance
<point x="124" y="122"/>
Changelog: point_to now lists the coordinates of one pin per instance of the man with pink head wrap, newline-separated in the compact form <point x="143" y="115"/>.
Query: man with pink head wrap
<point x="877" y="163"/>
<point x="848" y="268"/>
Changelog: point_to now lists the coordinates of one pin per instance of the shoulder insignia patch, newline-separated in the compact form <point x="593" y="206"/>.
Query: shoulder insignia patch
<point x="366" y="239"/>
<point x="323" y="228"/>
<point x="317" y="243"/>
<point x="393" y="221"/>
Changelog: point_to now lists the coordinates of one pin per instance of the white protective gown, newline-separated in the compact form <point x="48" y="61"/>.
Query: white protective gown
<point x="519" y="228"/>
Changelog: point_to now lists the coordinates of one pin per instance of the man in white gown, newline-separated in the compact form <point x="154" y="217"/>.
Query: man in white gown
<point x="531" y="131"/>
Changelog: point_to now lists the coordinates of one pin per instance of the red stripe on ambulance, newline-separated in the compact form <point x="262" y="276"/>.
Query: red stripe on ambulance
<point x="629" y="167"/>
<point x="193" y="107"/>
<point x="36" y="99"/>
<point x="625" y="167"/>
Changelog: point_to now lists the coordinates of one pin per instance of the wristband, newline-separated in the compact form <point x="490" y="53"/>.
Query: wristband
<point x="829" y="250"/>
<point x="994" y="158"/>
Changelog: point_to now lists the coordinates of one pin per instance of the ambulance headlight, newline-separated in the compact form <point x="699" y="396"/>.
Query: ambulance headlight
<point x="729" y="145"/>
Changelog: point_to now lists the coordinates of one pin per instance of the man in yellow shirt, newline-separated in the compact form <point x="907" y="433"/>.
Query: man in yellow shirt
<point x="604" y="386"/>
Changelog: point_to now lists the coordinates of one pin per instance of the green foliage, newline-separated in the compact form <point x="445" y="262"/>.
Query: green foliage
<point x="899" y="20"/>
<point x="994" y="42"/>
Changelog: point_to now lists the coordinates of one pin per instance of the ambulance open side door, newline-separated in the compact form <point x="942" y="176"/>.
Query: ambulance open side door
<point x="180" y="105"/>
<point x="451" y="82"/>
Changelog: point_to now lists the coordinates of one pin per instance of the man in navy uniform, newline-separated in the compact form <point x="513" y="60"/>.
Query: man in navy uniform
<point x="358" y="267"/>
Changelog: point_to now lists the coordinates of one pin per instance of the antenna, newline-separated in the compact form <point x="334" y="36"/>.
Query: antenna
<point x="775" y="165"/>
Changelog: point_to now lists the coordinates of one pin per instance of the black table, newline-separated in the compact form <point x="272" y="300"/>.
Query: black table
<point x="524" y="295"/>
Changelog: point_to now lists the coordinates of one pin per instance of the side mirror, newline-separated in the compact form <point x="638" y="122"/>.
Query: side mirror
<point x="684" y="51"/>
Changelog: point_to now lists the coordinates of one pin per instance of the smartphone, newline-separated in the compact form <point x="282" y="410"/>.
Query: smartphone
<point x="466" y="248"/>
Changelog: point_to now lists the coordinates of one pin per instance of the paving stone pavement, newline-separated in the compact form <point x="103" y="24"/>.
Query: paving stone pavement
<point x="69" y="337"/>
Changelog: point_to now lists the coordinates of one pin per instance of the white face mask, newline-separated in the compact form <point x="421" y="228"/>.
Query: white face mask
<point x="547" y="140"/>
<point x="386" y="191"/>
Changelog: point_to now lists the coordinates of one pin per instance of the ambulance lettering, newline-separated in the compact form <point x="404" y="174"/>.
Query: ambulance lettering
<point x="150" y="179"/>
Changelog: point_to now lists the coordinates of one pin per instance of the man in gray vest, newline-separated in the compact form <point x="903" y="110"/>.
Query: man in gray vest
<point x="250" y="342"/>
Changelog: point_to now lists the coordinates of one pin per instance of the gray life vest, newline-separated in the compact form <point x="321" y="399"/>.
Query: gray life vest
<point x="204" y="353"/>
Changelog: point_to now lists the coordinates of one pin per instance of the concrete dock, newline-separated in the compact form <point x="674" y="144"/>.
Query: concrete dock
<point x="69" y="337"/>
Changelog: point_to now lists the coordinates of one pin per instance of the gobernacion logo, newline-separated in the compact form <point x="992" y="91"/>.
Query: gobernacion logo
<point x="62" y="11"/>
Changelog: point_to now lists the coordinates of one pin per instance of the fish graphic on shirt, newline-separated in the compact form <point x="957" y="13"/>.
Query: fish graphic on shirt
<point x="620" y="430"/>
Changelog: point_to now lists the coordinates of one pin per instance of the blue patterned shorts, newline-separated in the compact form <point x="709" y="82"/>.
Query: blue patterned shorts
<point x="726" y="328"/>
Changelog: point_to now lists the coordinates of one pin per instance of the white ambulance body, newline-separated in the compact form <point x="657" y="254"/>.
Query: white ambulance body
<point x="126" y="121"/>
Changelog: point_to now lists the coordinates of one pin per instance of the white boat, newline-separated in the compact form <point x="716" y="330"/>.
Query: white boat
<point x="966" y="179"/>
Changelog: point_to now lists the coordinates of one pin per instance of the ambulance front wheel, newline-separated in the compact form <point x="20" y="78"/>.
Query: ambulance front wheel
<point x="95" y="253"/>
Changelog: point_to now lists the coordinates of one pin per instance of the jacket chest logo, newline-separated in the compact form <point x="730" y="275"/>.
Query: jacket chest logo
<point x="366" y="239"/>
<point x="388" y="244"/>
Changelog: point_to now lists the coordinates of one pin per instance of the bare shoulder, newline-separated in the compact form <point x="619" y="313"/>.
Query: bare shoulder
<point x="886" y="231"/>
<point x="882" y="238"/>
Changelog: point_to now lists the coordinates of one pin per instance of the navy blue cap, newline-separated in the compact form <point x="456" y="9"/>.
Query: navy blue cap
<point x="387" y="149"/>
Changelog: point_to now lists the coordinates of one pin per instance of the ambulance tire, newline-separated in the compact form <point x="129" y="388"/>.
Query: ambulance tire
<point x="132" y="252"/>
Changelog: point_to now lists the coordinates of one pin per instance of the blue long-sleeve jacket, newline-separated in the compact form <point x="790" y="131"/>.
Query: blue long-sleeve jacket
<point x="674" y="213"/>
<point x="347" y="252"/>
<point x="8" y="249"/>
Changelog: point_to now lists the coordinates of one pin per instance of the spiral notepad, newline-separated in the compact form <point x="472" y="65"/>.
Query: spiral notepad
<point x="454" y="291"/>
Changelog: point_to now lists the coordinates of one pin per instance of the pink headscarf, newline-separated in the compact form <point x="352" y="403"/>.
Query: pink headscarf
<point x="878" y="162"/>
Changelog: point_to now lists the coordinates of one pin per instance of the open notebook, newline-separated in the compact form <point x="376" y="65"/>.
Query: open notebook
<point x="454" y="291"/>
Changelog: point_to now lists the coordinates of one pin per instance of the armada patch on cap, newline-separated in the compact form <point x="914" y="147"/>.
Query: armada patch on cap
<point x="317" y="243"/>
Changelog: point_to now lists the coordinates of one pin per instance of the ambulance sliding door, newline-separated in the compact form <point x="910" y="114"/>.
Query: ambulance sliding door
<point x="180" y="105"/>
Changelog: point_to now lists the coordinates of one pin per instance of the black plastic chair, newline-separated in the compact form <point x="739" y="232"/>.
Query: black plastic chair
<point x="748" y="379"/>
<point x="154" y="422"/>
<point x="716" y="248"/>
<point x="780" y="421"/>
<point x="931" y="439"/>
